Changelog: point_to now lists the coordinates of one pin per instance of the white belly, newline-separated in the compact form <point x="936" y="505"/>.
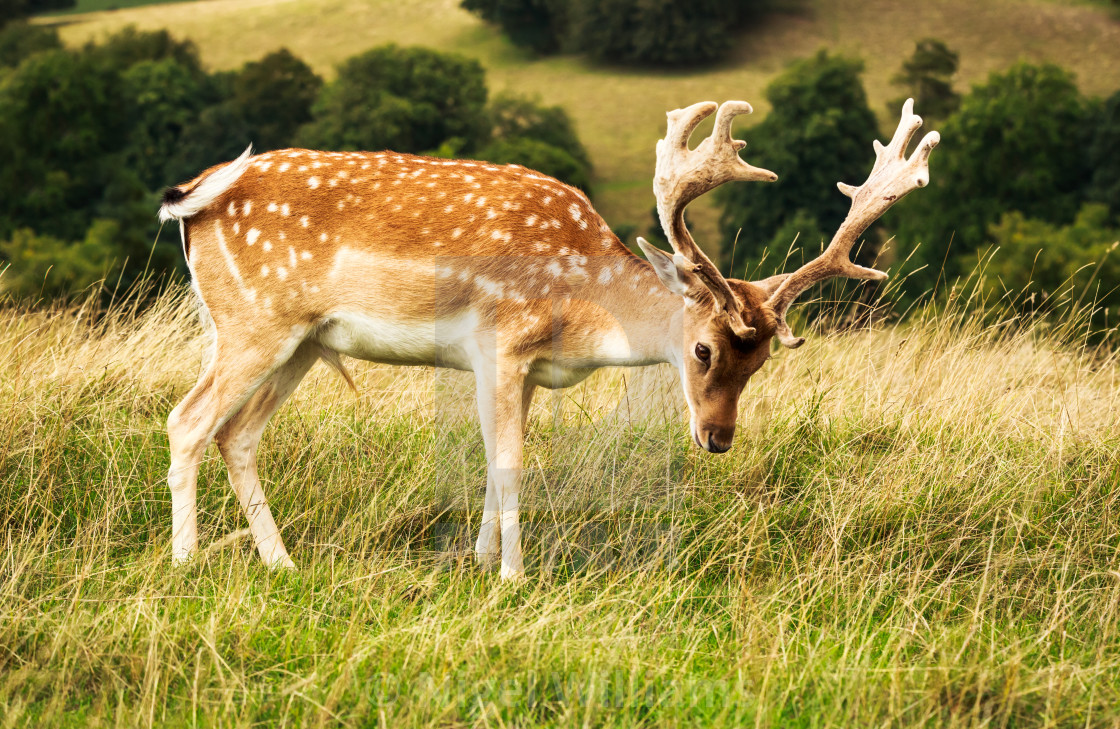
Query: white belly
<point x="443" y="343"/>
<point x="555" y="376"/>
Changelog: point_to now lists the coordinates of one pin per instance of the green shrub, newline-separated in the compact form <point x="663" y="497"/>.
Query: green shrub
<point x="1041" y="264"/>
<point x="42" y="265"/>
<point x="405" y="99"/>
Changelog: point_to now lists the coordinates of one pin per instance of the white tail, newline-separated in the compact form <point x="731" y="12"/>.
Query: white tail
<point x="198" y="194"/>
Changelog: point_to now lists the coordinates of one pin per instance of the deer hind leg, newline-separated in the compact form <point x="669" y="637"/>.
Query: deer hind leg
<point x="238" y="440"/>
<point x="233" y="376"/>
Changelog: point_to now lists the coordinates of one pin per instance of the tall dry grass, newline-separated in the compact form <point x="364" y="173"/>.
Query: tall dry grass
<point x="918" y="526"/>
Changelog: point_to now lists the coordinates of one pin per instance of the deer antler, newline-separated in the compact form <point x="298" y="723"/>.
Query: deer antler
<point x="682" y="175"/>
<point x="892" y="177"/>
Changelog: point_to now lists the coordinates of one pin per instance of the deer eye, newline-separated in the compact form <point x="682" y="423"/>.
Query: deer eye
<point x="703" y="353"/>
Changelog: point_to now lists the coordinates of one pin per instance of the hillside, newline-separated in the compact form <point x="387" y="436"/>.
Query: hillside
<point x="620" y="113"/>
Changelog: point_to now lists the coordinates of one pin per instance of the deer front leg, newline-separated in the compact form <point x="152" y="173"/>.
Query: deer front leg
<point x="503" y="398"/>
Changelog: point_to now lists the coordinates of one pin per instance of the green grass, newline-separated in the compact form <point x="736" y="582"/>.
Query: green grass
<point x="620" y="114"/>
<point x="916" y="527"/>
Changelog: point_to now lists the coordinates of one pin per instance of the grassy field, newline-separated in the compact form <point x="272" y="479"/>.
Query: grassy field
<point x="917" y="526"/>
<point x="620" y="113"/>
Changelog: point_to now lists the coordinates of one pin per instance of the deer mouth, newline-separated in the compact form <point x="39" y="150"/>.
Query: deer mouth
<point x="710" y="445"/>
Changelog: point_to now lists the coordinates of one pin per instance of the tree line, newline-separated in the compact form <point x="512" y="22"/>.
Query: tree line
<point x="644" y="32"/>
<point x="1027" y="177"/>
<point x="90" y="136"/>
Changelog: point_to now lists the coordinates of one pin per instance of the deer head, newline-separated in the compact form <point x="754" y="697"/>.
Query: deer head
<point x="727" y="323"/>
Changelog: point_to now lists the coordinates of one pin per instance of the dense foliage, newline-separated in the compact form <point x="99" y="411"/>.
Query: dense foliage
<point x="1041" y="264"/>
<point x="536" y="24"/>
<point x="1017" y="143"/>
<point x="411" y="99"/>
<point x="659" y="32"/>
<point x="927" y="78"/>
<point x="90" y="136"/>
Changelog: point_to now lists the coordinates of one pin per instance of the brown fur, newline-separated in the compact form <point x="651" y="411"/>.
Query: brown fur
<point x="309" y="254"/>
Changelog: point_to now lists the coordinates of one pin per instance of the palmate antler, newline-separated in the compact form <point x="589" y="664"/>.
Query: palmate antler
<point x="682" y="175"/>
<point x="892" y="177"/>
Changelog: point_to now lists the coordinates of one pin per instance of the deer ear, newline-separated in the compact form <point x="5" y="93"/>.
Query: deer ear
<point x="679" y="281"/>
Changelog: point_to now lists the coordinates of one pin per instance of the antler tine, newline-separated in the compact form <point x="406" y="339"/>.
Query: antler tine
<point x="892" y="178"/>
<point x="724" y="119"/>
<point x="683" y="122"/>
<point x="682" y="175"/>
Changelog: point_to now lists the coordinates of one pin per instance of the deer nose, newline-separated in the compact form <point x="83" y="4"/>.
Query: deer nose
<point x="715" y="447"/>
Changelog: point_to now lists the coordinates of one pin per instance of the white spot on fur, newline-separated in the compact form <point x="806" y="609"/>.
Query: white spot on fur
<point x="605" y="275"/>
<point x="272" y="207"/>
<point x="531" y="220"/>
<point x="252" y="235"/>
<point x="285" y="209"/>
<point x="247" y="207"/>
<point x="313" y="182"/>
<point x="305" y="255"/>
<point x="305" y="221"/>
<point x="286" y="166"/>
<point x="264" y="271"/>
<point x="281" y="273"/>
<point x="267" y="246"/>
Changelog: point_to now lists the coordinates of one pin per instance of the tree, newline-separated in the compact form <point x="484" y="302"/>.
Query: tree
<point x="405" y="99"/>
<point x="1017" y="143"/>
<point x="64" y="123"/>
<point x="539" y="137"/>
<point x="658" y="32"/>
<point x="130" y="46"/>
<point x="819" y="133"/>
<point x="275" y="96"/>
<point x="537" y="155"/>
<point x="18" y="40"/>
<point x="517" y="116"/>
<point x="167" y="99"/>
<point x="661" y="32"/>
<point x="1104" y="157"/>
<point x="927" y="77"/>
<point x="539" y="25"/>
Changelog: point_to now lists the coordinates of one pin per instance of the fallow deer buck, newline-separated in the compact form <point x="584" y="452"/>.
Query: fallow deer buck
<point x="300" y="255"/>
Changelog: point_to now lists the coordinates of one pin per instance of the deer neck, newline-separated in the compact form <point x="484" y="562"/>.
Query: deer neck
<point x="645" y="322"/>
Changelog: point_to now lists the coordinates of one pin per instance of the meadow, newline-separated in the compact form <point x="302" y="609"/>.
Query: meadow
<point x="917" y="526"/>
